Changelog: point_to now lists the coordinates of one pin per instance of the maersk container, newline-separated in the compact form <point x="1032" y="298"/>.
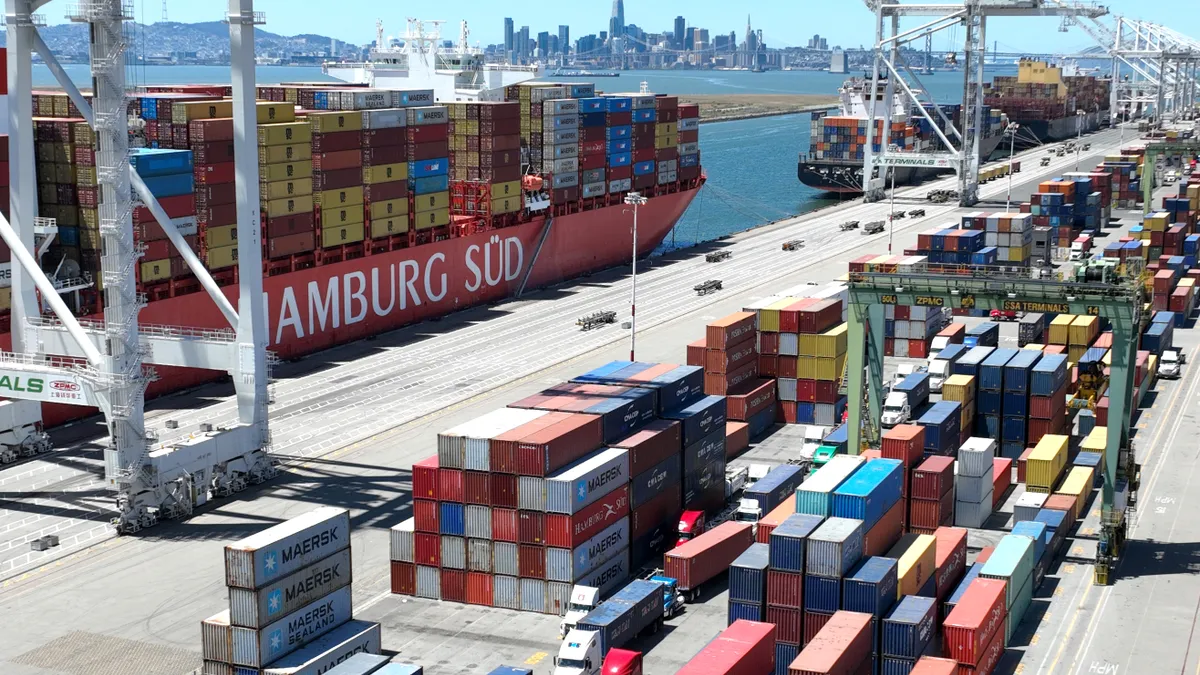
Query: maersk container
<point x="915" y="387"/>
<point x="991" y="370"/>
<point x="871" y="587"/>
<point x="257" y="647"/>
<point x="1011" y="561"/>
<point x="626" y="614"/>
<point x="748" y="575"/>
<point x="986" y="334"/>
<point x="1049" y="375"/>
<point x="968" y="364"/>
<point x="255" y="609"/>
<point x="321" y="656"/>
<point x="815" y="495"/>
<point x="1018" y="371"/>
<point x="908" y="629"/>
<point x="1036" y="531"/>
<point x="822" y="594"/>
<point x="789" y="539"/>
<point x="870" y="492"/>
<point x="834" y="548"/>
<point x="772" y="489"/>
<point x="282" y="549"/>
<point x="365" y="664"/>
<point x="216" y="638"/>
<point x="941" y="422"/>
<point x="587" y="480"/>
<point x="569" y="566"/>
<point x="699" y="418"/>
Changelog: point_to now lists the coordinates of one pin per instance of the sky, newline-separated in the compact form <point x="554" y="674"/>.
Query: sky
<point x="784" y="22"/>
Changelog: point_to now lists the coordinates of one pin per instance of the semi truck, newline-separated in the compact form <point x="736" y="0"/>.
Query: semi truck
<point x="768" y="492"/>
<point x="635" y="609"/>
<point x="941" y="366"/>
<point x="909" y="395"/>
<point x="704" y="558"/>
<point x="586" y="598"/>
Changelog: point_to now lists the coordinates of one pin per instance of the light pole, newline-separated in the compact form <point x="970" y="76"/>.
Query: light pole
<point x="892" y="201"/>
<point x="1012" y="150"/>
<point x="635" y="200"/>
<point x="1079" y="137"/>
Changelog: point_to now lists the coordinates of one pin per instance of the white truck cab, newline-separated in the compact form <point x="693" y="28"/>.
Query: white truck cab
<point x="583" y="600"/>
<point x="895" y="410"/>
<point x="813" y="436"/>
<point x="939" y="343"/>
<point x="748" y="511"/>
<point x="755" y="473"/>
<point x="735" y="481"/>
<point x="939" y="370"/>
<point x="579" y="654"/>
<point x="903" y="371"/>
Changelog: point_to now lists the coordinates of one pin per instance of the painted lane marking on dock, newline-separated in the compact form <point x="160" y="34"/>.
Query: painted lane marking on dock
<point x="536" y="658"/>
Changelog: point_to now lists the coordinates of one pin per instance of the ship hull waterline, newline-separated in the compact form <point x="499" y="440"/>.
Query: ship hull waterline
<point x="844" y="177"/>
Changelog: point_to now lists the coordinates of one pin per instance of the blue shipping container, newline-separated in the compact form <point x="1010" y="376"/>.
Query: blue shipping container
<point x="654" y="481"/>
<point x="972" y="573"/>
<point x="149" y="162"/>
<point x="986" y="334"/>
<point x="700" y="418"/>
<point x="613" y="133"/>
<point x="172" y="185"/>
<point x="1049" y="375"/>
<point x="773" y="488"/>
<point x="704" y="467"/>
<point x="1036" y="531"/>
<point x="891" y="665"/>
<point x="618" y="103"/>
<point x="1018" y="370"/>
<point x="822" y="594"/>
<point x="968" y="364"/>
<point x="870" y="492"/>
<point x="838" y="438"/>
<point x="430" y="184"/>
<point x="761" y="422"/>
<point x="1053" y="519"/>
<point x="429" y="167"/>
<point x="593" y="104"/>
<point x="594" y="119"/>
<point x="915" y="387"/>
<point x="908" y="629"/>
<point x="748" y="575"/>
<point x="989" y="402"/>
<point x="1016" y="404"/>
<point x="450" y="519"/>
<point x="510" y="670"/>
<point x="1157" y="338"/>
<point x="618" y="159"/>
<point x="784" y="655"/>
<point x="953" y="353"/>
<point x="789" y="541"/>
<point x="620" y="145"/>
<point x="750" y="611"/>
<point x="643" y="168"/>
<point x="871" y="587"/>
<point x="942" y="423"/>
<point x="991" y="371"/>
<point x="1012" y="429"/>
<point x="624" y="615"/>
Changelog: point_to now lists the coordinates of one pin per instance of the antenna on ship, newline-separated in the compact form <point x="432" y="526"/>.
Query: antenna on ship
<point x="645" y="88"/>
<point x="379" y="34"/>
<point x="462" y="36"/>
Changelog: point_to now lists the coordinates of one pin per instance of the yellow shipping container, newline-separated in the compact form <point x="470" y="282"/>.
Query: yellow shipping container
<point x="221" y="257"/>
<point x="662" y="143"/>
<point x="1084" y="330"/>
<point x="282" y="189"/>
<point x="287" y="206"/>
<point x="6" y="298"/>
<point x="89" y="218"/>
<point x="1060" y="329"/>
<point x="337" y="217"/>
<point x="431" y="202"/>
<point x="1096" y="441"/>
<point x="668" y="129"/>
<point x="225" y="235"/>
<point x="832" y="343"/>
<point x="335" y="198"/>
<point x="1078" y="484"/>
<point x="284" y="134"/>
<point x="507" y="204"/>
<point x="1186" y="282"/>
<point x="82" y="134"/>
<point x="967" y="415"/>
<point x="385" y="227"/>
<point x="200" y="110"/>
<point x="89" y="240"/>
<point x="156" y="270"/>
<point x="916" y="555"/>
<point x="1045" y="464"/>
<point x="1076" y="352"/>
<point x="345" y="234"/>
<point x="828" y="369"/>
<point x="292" y="152"/>
<point x="507" y="189"/>
<point x="1034" y="346"/>
<point x="269" y="112"/>
<point x="388" y="210"/>
<point x="271" y="173"/>
<point x="430" y="219"/>
<point x="959" y="388"/>
<point x="84" y="175"/>
<point x="385" y="173"/>
<point x="768" y="317"/>
<point x="334" y="121"/>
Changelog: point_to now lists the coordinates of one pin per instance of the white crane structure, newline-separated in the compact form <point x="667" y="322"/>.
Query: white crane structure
<point x="63" y="359"/>
<point x="961" y="138"/>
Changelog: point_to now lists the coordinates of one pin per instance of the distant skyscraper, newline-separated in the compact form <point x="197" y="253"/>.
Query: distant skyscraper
<point x="616" y="25"/>
<point x="543" y="42"/>
<point x="700" y="39"/>
<point x="680" y="27"/>
<point x="508" y="35"/>
<point x="564" y="38"/>
<point x="689" y="36"/>
<point x="522" y="46"/>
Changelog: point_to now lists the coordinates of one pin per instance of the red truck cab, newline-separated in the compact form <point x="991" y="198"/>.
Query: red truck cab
<point x="622" y="662"/>
<point x="691" y="525"/>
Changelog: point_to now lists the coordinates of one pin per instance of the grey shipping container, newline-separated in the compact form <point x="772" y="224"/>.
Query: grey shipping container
<point x="563" y="180"/>
<point x="255" y="609"/>
<point x="593" y="176"/>
<point x="319" y="657"/>
<point x="401" y="669"/>
<point x="280" y="550"/>
<point x="258" y="647"/>
<point x="562" y="106"/>
<point x="834" y="548"/>
<point x="531" y="493"/>
<point x="479" y="522"/>
<point x="388" y="118"/>
<point x="479" y="555"/>
<point x="620" y="185"/>
<point x="454" y="552"/>
<point x="504" y="558"/>
<point x="533" y="595"/>
<point x="608" y="576"/>
<point x="562" y="137"/>
<point x="415" y="97"/>
<point x="587" y="480"/>
<point x="433" y="114"/>
<point x="402" y="541"/>
<point x="429" y="582"/>
<point x="570" y="565"/>
<point x="558" y="597"/>
<point x="506" y="592"/>
<point x="565" y="165"/>
<point x="594" y="189"/>
<point x="218" y="668"/>
<point x="365" y="664"/>
<point x="216" y="638"/>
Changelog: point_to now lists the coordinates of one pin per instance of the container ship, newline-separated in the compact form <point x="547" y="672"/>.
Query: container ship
<point x="1051" y="103"/>
<point x="380" y="208"/>
<point x="834" y="162"/>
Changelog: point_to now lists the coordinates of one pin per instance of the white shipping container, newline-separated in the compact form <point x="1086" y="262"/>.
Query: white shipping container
<point x="370" y="99"/>
<point x="991" y="238"/>
<point x="570" y="566"/>
<point x="476" y="435"/>
<point x="454" y="552"/>
<point x="831" y="475"/>
<point x="504" y="558"/>
<point x="256" y="647"/>
<point x="643" y="101"/>
<point x="402" y="541"/>
<point x="667" y="165"/>
<point x="972" y="488"/>
<point x="255" y="609"/>
<point x="216" y="668"/>
<point x="565" y="165"/>
<point x="506" y="592"/>
<point x="594" y="189"/>
<point x="479" y="555"/>
<point x="558" y="598"/>
<point x="587" y="480"/>
<point x="216" y="638"/>
<point x="823" y="414"/>
<point x="975" y="456"/>
<point x="1028" y="505"/>
<point x="562" y="136"/>
<point x="901" y="331"/>
<point x="413" y="97"/>
<point x="433" y="114"/>
<point x="917" y="329"/>
<point x="286" y="547"/>
<point x="620" y="185"/>
<point x="320" y="657"/>
<point x="689" y="148"/>
<point x="429" y="582"/>
<point x="533" y="595"/>
<point x="667" y="177"/>
<point x="787" y="388"/>
<point x="555" y="122"/>
<point x="531" y="493"/>
<point x="479" y="521"/>
<point x="973" y="514"/>
<point x="789" y="344"/>
<point x="186" y="225"/>
<point x="900" y="346"/>
<point x="889" y="312"/>
<point x="388" y="118"/>
<point x="835" y="542"/>
<point x="913" y="264"/>
<point x="689" y="124"/>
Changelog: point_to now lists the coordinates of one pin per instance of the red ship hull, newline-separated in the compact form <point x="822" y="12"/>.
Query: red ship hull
<point x="317" y="308"/>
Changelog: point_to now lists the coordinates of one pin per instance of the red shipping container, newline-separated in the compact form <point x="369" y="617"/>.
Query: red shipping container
<point x="505" y="525"/>
<point x="904" y="442"/>
<point x="588" y="162"/>
<point x="974" y="621"/>
<point x="700" y="559"/>
<point x="425" y="515"/>
<point x="531" y="527"/>
<point x="719" y="384"/>
<point x="901" y="312"/>
<point x="885" y="533"/>
<point x="749" y="398"/>
<point x="431" y="133"/>
<point x="820" y="316"/>
<point x="217" y="215"/>
<point x="927" y="514"/>
<point x="502" y="449"/>
<point x="556" y="446"/>
<point x="785" y="412"/>
<point x="1021" y="465"/>
<point x="1001" y="476"/>
<point x="211" y="195"/>
<point x="789" y="317"/>
<point x="768" y="365"/>
<point x="933" y="478"/>
<point x="427" y="549"/>
<point x="841" y="644"/>
<point x="292" y="244"/>
<point x="531" y="562"/>
<point x="1047" y="407"/>
<point x="404" y="578"/>
<point x="950" y="557"/>
<point x="737" y="438"/>
<point x="477" y="488"/>
<point x="424" y="478"/>
<point x="874" y="454"/>
<point x="918" y="349"/>
<point x="213" y="152"/>
<point x="157" y="250"/>
<point x="697" y="353"/>
<point x="768" y="343"/>
<point x="990" y="659"/>
<point x="450" y="485"/>
<point x="789" y="624"/>
<point x="454" y="585"/>
<point x="1061" y="502"/>
<point x="176" y="207"/>
<point x="563" y="531"/>
<point x="787" y="366"/>
<point x="337" y="141"/>
<point x="479" y="588"/>
<point x="859" y="264"/>
<point x="785" y="589"/>
<point x="382" y="192"/>
<point x="420" y="152"/>
<point x="730" y="330"/>
<point x="730" y="358"/>
<point x="651" y="444"/>
<point x="955" y="331"/>
<point x="744" y="648"/>
<point x="620" y="172"/>
<point x="503" y="490"/>
<point x="825" y="391"/>
<point x="213" y="174"/>
<point x="666" y="507"/>
<point x="806" y="390"/>
<point x="932" y="665"/>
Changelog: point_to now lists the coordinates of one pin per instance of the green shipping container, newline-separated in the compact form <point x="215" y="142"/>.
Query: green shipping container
<point x="1011" y="561"/>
